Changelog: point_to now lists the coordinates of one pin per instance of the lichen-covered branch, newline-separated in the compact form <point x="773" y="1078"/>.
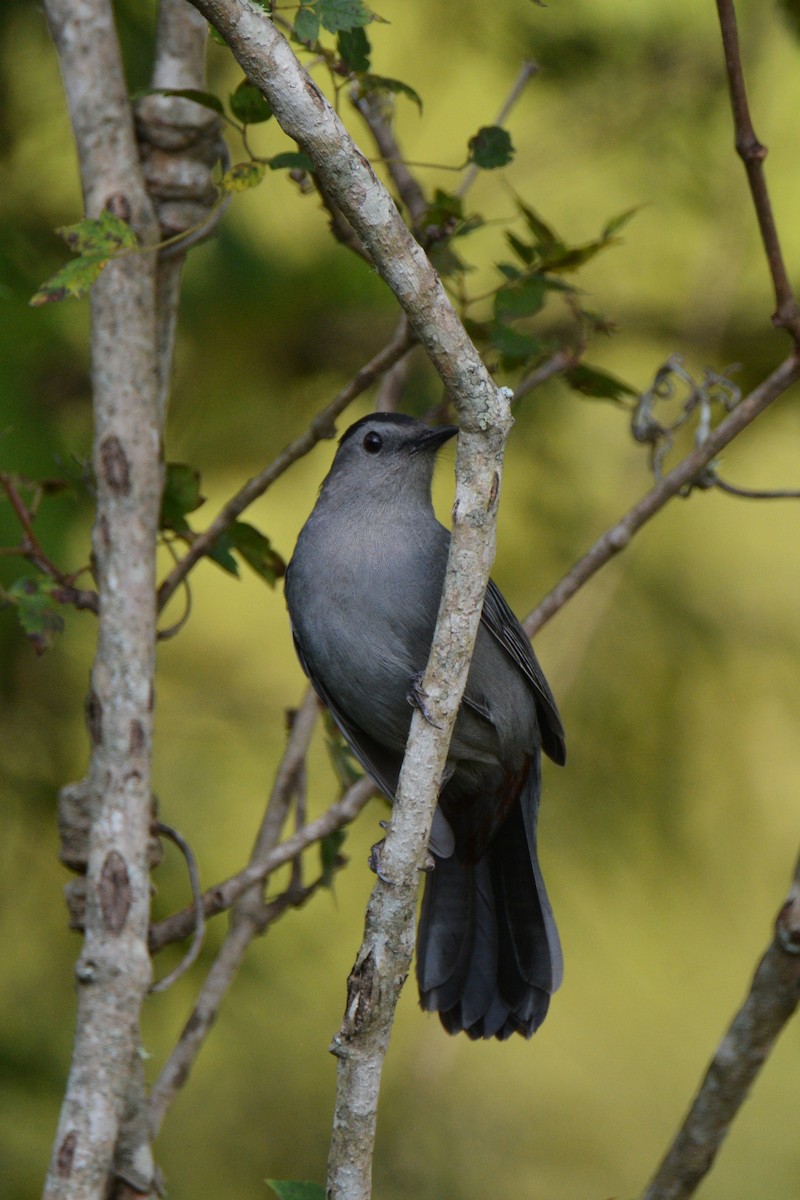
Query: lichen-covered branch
<point x="113" y="970"/>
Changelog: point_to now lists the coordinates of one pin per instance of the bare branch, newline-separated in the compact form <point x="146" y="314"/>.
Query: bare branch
<point x="676" y="482"/>
<point x="222" y="897"/>
<point x="113" y="970"/>
<point x="373" y="111"/>
<point x="753" y="153"/>
<point x="322" y="426"/>
<point x="251" y="915"/>
<point x="772" y="1000"/>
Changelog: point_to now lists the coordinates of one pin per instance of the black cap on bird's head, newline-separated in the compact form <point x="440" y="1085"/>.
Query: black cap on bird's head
<point x="396" y="432"/>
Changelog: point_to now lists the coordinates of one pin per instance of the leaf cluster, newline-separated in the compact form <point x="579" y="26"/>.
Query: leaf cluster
<point x="240" y="541"/>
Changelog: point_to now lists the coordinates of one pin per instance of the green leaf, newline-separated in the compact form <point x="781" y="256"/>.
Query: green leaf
<point x="242" y="176"/>
<point x="330" y="858"/>
<point x="35" y="599"/>
<point x="343" y="14"/>
<point x="220" y="553"/>
<point x="544" y="236"/>
<point x="95" y="241"/>
<point x="291" y="1189"/>
<point x="306" y="25"/>
<point x="520" y="299"/>
<point x="514" y="347"/>
<point x="256" y="550"/>
<point x="248" y="104"/>
<point x="392" y="87"/>
<point x="490" y="148"/>
<point x="103" y="236"/>
<point x="354" y="48"/>
<point x="181" y="495"/>
<point x="591" y="381"/>
<point x="522" y="250"/>
<point x="292" y="161"/>
<point x="619" y="222"/>
<point x="71" y="282"/>
<point x="206" y="99"/>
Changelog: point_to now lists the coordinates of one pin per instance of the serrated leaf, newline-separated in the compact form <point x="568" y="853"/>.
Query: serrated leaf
<point x="242" y="176"/>
<point x="256" y="550"/>
<point x="181" y="495"/>
<point x="490" y="148"/>
<point x="392" y="87"/>
<point x="71" y="282"/>
<point x="248" y="104"/>
<point x="601" y="385"/>
<point x="306" y="25"/>
<point x="292" y="1189"/>
<point x="206" y="99"/>
<point x="338" y="15"/>
<point x="329" y="855"/>
<point x="102" y="236"/>
<point x="291" y="161"/>
<point x="520" y="299"/>
<point x="354" y="48"/>
<point x="34" y="597"/>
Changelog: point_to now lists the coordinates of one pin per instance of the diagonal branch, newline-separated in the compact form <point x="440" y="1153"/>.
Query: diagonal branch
<point x="683" y="476"/>
<point x="771" y="1002"/>
<point x="322" y="426"/>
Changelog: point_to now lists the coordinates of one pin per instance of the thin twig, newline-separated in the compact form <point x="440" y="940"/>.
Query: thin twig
<point x="773" y="998"/>
<point x="526" y="72"/>
<point x="322" y="426"/>
<point x="681" y="477"/>
<point x="250" y="916"/>
<point x="753" y="153"/>
<point x="222" y="897"/>
<point x="32" y="550"/>
<point x="753" y="493"/>
<point x="197" y="903"/>
<point x="556" y="364"/>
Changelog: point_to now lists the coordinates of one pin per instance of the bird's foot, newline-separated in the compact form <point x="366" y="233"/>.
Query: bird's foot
<point x="416" y="698"/>
<point x="374" y="859"/>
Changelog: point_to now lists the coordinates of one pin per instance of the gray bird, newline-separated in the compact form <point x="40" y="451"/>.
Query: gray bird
<point x="363" y="591"/>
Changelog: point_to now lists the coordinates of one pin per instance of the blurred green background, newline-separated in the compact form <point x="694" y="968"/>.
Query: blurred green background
<point x="669" y="839"/>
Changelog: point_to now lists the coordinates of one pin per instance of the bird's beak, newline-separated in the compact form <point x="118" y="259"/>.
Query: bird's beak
<point x="432" y="439"/>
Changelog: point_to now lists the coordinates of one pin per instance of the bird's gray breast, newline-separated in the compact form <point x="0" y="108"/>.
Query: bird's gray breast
<point x="363" y="614"/>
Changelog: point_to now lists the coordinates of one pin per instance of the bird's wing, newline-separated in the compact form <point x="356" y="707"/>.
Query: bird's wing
<point x="506" y="629"/>
<point x="381" y="764"/>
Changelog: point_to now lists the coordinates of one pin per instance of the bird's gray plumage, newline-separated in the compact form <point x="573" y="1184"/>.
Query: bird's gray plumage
<point x="363" y="591"/>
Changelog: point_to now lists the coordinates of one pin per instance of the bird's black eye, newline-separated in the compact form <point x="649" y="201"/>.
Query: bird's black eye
<point x="373" y="442"/>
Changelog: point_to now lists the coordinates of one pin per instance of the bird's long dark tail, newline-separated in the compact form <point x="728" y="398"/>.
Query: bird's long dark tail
<point x="488" y="952"/>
